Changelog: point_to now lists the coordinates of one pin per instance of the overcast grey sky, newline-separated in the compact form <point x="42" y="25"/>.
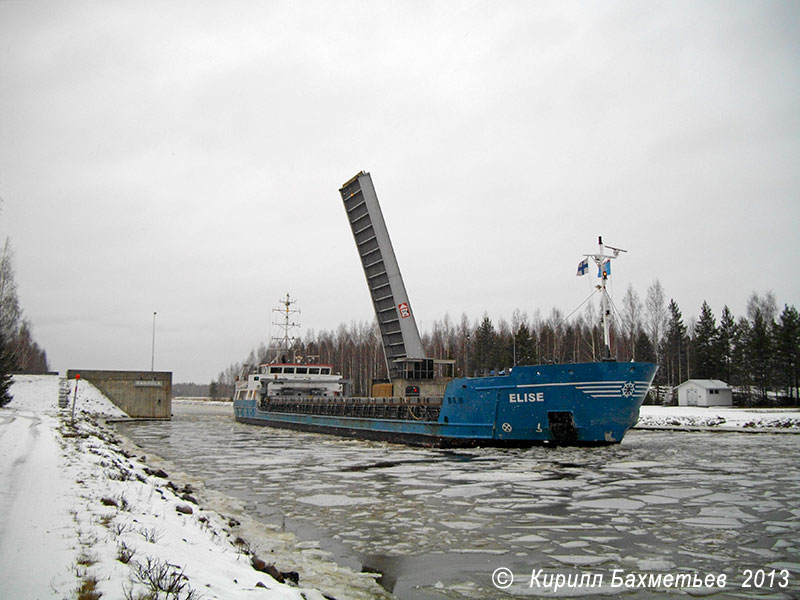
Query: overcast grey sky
<point x="185" y="158"/>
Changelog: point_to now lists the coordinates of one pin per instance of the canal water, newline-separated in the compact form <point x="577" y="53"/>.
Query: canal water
<point x="662" y="513"/>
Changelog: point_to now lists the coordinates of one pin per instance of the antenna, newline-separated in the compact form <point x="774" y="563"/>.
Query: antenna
<point x="286" y="341"/>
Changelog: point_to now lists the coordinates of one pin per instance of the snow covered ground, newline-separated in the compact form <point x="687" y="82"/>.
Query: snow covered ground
<point x="80" y="513"/>
<point x="721" y="418"/>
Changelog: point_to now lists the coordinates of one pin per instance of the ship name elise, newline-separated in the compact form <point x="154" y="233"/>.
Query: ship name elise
<point x="526" y="397"/>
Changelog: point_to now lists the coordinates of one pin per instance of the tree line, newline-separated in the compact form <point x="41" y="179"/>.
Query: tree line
<point x="757" y="353"/>
<point x="19" y="352"/>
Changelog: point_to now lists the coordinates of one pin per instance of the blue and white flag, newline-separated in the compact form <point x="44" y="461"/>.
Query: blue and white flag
<point x="605" y="269"/>
<point x="583" y="267"/>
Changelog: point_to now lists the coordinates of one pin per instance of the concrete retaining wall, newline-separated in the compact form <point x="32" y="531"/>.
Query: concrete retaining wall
<point x="141" y="394"/>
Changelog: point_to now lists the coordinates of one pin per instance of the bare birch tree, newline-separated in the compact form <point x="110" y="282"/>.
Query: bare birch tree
<point x="632" y="317"/>
<point x="656" y="308"/>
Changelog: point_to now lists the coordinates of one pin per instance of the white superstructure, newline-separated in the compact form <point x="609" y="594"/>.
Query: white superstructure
<point x="289" y="380"/>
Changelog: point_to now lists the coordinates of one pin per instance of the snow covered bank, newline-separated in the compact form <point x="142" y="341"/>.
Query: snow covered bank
<point x="80" y="514"/>
<point x="719" y="417"/>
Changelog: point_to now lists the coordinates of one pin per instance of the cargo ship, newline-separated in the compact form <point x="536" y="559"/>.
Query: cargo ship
<point x="423" y="403"/>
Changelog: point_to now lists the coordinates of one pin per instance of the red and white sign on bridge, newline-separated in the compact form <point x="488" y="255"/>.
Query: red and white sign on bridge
<point x="404" y="311"/>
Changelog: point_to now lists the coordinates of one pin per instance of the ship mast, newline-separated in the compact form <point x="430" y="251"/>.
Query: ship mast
<point x="285" y="341"/>
<point x="603" y="262"/>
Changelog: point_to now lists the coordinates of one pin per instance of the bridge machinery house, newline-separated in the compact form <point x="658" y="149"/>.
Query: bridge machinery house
<point x="704" y="392"/>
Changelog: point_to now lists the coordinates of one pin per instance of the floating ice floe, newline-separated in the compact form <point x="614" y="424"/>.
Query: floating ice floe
<point x="334" y="500"/>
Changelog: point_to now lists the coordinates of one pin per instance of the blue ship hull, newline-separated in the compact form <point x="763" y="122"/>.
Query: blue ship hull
<point x="564" y="404"/>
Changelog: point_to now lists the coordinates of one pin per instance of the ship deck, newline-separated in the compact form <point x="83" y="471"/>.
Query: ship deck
<point x="404" y="409"/>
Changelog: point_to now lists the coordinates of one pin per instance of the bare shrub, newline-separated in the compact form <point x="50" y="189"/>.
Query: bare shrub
<point x="86" y="559"/>
<point x="151" y="535"/>
<point x="160" y="576"/>
<point x="124" y="553"/>
<point x="88" y="589"/>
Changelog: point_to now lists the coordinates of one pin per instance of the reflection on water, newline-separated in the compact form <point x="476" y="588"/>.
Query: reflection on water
<point x="437" y="523"/>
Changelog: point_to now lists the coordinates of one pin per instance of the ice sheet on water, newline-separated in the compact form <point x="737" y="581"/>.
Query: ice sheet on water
<point x="655" y="499"/>
<point x="683" y="493"/>
<point x="553" y="485"/>
<point x="529" y="539"/>
<point x="632" y="465"/>
<point x="499" y="475"/>
<point x="462" y="525"/>
<point x="584" y="560"/>
<point x="415" y="482"/>
<point x="723" y="510"/>
<point x="763" y="506"/>
<point x="465" y="589"/>
<point x="601" y="491"/>
<point x="622" y="504"/>
<point x="792" y="567"/>
<point x="654" y="564"/>
<point x="728" y="498"/>
<point x="320" y="486"/>
<point x="357" y="474"/>
<point x="465" y="491"/>
<point x="602" y="539"/>
<point x="713" y="522"/>
<point x="763" y="553"/>
<point x="335" y="500"/>
<point x="574" y="544"/>
<point x="417" y="492"/>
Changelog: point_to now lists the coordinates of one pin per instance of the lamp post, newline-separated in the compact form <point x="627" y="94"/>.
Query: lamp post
<point x="153" y="353"/>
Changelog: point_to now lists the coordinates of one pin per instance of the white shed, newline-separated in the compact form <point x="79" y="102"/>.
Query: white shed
<point x="704" y="392"/>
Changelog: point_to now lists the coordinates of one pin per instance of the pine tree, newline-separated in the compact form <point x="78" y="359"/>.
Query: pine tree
<point x="706" y="345"/>
<point x="726" y="334"/>
<point x="740" y="369"/>
<point x="485" y="342"/>
<point x="675" y="352"/>
<point x="644" y="348"/>
<point x="787" y="341"/>
<point x="759" y="352"/>
<point x="525" y="345"/>
<point x="759" y="343"/>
